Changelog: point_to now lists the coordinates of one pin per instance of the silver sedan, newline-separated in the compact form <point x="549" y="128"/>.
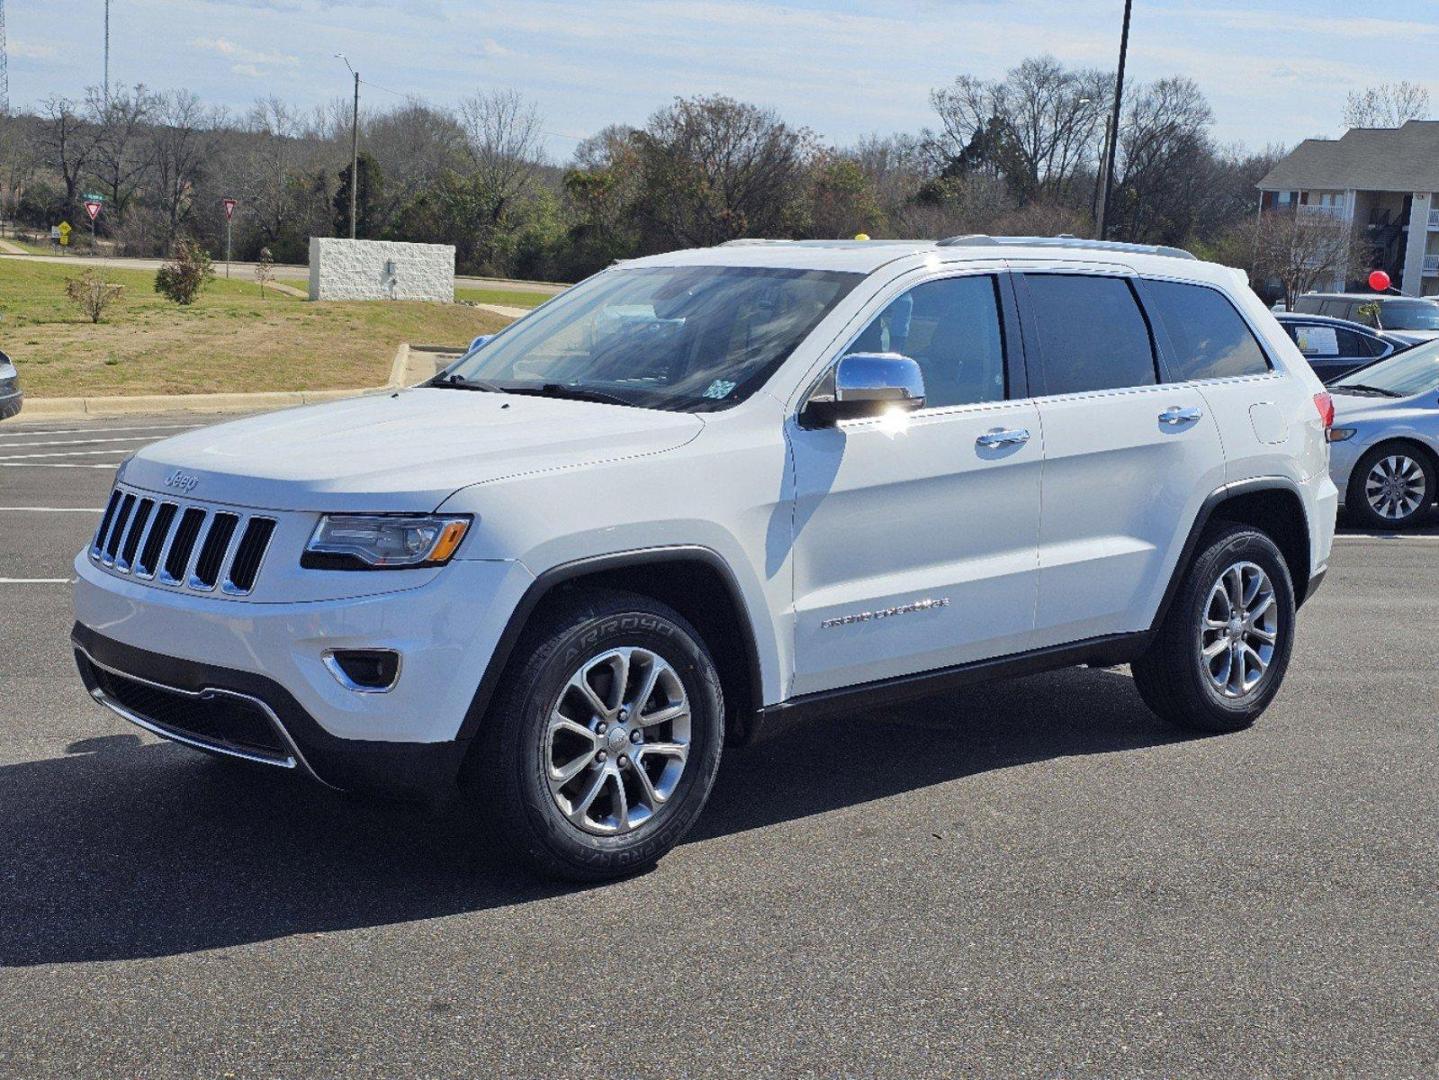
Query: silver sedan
<point x="1384" y="446"/>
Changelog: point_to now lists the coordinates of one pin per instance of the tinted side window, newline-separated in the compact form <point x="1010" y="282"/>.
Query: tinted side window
<point x="1335" y="309"/>
<point x="1092" y="335"/>
<point x="1210" y="340"/>
<point x="1352" y="344"/>
<point x="952" y="329"/>
<point x="1307" y="305"/>
<point x="1370" y="346"/>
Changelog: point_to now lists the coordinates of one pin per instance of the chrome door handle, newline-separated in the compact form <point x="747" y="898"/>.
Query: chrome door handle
<point x="1175" y="415"/>
<point x="1011" y="437"/>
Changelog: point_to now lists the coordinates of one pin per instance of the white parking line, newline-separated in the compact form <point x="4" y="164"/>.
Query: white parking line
<point x="35" y="580"/>
<point x="54" y="509"/>
<point x="1361" y="538"/>
<point x="111" y="465"/>
<point x="80" y="442"/>
<point x="59" y="453"/>
<point x="98" y="430"/>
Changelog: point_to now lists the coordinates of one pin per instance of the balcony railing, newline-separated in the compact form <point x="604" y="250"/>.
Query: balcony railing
<point x="1323" y="210"/>
<point x="1431" y="264"/>
<point x="1434" y="219"/>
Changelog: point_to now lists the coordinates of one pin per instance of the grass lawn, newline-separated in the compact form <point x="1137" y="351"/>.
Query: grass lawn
<point x="502" y="296"/>
<point x="231" y="339"/>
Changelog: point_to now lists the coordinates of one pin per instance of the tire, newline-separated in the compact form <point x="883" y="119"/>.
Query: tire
<point x="1392" y="487"/>
<point x="543" y="724"/>
<point x="1178" y="680"/>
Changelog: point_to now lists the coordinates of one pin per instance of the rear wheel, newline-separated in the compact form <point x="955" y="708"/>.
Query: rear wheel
<point x="601" y="747"/>
<point x="1223" y="648"/>
<point x="1391" y="487"/>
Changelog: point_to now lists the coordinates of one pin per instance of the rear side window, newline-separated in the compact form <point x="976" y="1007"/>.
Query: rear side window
<point x="1335" y="309"/>
<point x="1092" y="335"/>
<point x="1209" y="339"/>
<point x="1307" y="305"/>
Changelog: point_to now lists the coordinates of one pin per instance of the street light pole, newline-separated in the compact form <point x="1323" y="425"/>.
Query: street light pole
<point x="354" y="144"/>
<point x="1114" y="125"/>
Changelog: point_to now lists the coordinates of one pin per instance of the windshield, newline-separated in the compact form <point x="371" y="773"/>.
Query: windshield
<point x="687" y="338"/>
<point x="1410" y="315"/>
<point x="1409" y="373"/>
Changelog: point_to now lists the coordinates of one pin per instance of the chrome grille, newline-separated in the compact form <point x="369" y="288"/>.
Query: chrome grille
<point x="181" y="546"/>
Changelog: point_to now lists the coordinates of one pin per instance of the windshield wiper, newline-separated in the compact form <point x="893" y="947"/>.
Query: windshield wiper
<point x="1366" y="388"/>
<point x="571" y="393"/>
<point x="456" y="381"/>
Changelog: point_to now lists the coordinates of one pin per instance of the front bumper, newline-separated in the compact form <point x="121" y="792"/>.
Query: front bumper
<point x="267" y="660"/>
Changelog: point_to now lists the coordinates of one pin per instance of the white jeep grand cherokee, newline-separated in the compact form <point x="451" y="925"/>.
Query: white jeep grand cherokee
<point x="705" y="490"/>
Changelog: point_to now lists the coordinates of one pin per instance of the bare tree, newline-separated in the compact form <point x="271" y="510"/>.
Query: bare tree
<point x="67" y="143"/>
<point x="182" y="145"/>
<point x="1298" y="249"/>
<point x="502" y="144"/>
<point x="1164" y="146"/>
<point x="1039" y="127"/>
<point x="122" y="151"/>
<point x="19" y="160"/>
<point x="1388" y="105"/>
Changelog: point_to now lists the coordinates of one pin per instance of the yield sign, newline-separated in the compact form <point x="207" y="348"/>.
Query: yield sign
<point x="229" y="205"/>
<point x="93" y="209"/>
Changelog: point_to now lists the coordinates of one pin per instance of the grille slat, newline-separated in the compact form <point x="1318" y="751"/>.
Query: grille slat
<point x="159" y="532"/>
<point x="112" y="545"/>
<point x="248" y="554"/>
<point x="189" y="547"/>
<point x="104" y="530"/>
<point x="138" y="520"/>
<point x="212" y="551"/>
<point x="186" y="533"/>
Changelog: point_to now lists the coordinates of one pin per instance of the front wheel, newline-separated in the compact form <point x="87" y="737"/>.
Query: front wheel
<point x="602" y="746"/>
<point x="1223" y="648"/>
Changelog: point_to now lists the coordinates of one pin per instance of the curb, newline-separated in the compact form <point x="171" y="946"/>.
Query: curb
<point x="150" y="404"/>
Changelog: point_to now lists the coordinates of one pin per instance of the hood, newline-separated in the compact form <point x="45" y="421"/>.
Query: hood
<point x="407" y="451"/>
<point x="1412" y="337"/>
<point x="1356" y="408"/>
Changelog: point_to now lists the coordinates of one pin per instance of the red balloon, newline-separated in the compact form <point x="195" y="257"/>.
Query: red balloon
<point x="1379" y="281"/>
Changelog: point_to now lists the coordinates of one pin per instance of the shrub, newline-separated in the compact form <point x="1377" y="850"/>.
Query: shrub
<point x="264" y="269"/>
<point x="92" y="293"/>
<point x="187" y="272"/>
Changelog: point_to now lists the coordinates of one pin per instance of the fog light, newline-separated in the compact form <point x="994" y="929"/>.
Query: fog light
<point x="365" y="671"/>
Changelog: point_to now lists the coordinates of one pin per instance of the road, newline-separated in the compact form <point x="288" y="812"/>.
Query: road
<point x="1033" y="878"/>
<point x="283" y="272"/>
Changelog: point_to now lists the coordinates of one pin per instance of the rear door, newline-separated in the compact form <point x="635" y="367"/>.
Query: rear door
<point x="1331" y="350"/>
<point x="1128" y="459"/>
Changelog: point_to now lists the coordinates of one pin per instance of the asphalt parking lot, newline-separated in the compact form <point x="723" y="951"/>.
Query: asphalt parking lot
<point x="1033" y="878"/>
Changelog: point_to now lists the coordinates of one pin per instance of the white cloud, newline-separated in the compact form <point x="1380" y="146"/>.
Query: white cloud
<point x="30" y="52"/>
<point x="250" y="59"/>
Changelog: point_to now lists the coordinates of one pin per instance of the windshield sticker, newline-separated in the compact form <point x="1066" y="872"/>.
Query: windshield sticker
<point x="720" y="388"/>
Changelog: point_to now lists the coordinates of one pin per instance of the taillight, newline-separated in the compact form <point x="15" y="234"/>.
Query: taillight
<point x="1325" y="404"/>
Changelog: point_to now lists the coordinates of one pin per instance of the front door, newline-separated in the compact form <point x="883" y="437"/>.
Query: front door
<point x="915" y="536"/>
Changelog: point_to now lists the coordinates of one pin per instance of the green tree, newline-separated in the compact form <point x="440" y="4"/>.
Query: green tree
<point x="368" y="200"/>
<point x="186" y="274"/>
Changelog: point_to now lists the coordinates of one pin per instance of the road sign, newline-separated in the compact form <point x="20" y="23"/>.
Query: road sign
<point x="229" y="205"/>
<point x="64" y="230"/>
<point x="91" y="197"/>
<point x="92" y="208"/>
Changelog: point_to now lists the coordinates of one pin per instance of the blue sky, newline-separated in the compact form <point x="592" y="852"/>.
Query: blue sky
<point x="1273" y="71"/>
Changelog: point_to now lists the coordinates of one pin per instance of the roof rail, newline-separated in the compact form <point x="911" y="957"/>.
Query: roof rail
<point x="983" y="240"/>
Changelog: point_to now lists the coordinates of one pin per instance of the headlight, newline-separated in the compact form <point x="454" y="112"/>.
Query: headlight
<point x="1339" y="434"/>
<point x="383" y="541"/>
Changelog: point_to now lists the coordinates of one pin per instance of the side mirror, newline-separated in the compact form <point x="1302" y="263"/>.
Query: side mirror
<point x="863" y="385"/>
<point x="477" y="342"/>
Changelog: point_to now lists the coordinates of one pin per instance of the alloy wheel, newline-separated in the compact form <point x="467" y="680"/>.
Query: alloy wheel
<point x="617" y="741"/>
<point x="1395" y="487"/>
<point x="1240" y="629"/>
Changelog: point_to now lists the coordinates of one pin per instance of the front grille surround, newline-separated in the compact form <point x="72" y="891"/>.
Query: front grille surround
<point x="182" y="545"/>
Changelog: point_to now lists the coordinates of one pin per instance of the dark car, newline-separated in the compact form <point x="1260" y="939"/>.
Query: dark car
<point x="11" y="397"/>
<point x="1335" y="347"/>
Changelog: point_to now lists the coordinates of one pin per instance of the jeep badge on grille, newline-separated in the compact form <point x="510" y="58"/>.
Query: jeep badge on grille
<point x="186" y="482"/>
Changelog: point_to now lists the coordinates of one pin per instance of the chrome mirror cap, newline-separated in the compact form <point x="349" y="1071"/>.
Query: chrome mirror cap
<point x="866" y="384"/>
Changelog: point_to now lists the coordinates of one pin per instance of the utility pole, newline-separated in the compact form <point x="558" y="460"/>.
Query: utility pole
<point x="354" y="144"/>
<point x="107" y="53"/>
<point x="1114" y="125"/>
<point x="4" y="67"/>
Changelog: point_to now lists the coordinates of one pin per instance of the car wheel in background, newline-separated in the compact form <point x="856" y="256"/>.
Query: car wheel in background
<point x="1392" y="487"/>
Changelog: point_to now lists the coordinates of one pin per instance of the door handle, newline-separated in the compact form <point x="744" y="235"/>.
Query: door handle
<point x="1001" y="437"/>
<point x="1175" y="415"/>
